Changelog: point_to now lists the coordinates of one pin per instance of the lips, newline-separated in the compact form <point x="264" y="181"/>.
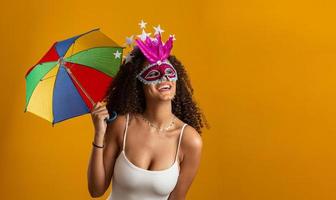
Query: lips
<point x="164" y="87"/>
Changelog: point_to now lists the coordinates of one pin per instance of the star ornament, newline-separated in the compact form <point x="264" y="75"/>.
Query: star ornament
<point x="142" y="24"/>
<point x="117" y="54"/>
<point x="129" y="40"/>
<point x="144" y="35"/>
<point x="173" y="36"/>
<point x="158" y="30"/>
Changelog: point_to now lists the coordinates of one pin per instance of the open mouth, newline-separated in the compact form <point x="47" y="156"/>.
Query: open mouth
<point x="164" y="87"/>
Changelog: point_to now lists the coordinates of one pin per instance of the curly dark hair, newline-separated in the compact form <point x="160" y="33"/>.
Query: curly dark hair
<point x="126" y="95"/>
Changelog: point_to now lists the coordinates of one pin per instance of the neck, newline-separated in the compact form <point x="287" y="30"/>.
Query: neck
<point x="159" y="113"/>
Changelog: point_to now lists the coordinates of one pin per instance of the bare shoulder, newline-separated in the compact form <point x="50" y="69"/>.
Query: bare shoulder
<point x="191" y="141"/>
<point x="191" y="138"/>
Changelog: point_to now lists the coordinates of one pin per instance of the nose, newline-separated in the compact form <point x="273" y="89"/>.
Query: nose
<point x="165" y="77"/>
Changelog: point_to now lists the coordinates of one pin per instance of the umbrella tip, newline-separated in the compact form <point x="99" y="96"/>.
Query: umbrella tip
<point x="95" y="29"/>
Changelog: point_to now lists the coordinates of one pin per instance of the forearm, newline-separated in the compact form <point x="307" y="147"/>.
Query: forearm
<point x="96" y="171"/>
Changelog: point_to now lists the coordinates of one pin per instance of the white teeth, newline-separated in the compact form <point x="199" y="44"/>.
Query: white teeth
<point x="165" y="87"/>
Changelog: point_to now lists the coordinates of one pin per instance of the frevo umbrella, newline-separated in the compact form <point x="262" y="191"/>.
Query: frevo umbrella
<point x="72" y="76"/>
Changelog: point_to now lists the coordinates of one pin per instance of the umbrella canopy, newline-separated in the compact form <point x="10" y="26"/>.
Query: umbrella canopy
<point x="72" y="76"/>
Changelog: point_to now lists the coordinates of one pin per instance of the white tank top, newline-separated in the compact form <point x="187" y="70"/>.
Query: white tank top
<point x="130" y="182"/>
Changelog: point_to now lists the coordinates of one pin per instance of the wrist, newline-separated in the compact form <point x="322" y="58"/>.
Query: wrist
<point x="98" y="139"/>
<point x="98" y="146"/>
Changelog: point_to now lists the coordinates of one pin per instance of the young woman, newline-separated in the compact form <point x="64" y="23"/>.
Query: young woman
<point x="142" y="152"/>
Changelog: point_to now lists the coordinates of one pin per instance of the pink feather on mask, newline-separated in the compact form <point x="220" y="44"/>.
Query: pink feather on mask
<point x="154" y="50"/>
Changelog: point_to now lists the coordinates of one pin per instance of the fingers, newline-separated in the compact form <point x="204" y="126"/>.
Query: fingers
<point x="99" y="111"/>
<point x="100" y="115"/>
<point x="97" y="104"/>
<point x="103" y="116"/>
<point x="98" y="107"/>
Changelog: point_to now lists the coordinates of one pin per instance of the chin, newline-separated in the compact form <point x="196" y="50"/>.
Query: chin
<point x="165" y="98"/>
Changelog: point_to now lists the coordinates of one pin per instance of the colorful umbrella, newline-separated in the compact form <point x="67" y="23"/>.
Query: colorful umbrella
<point x="72" y="76"/>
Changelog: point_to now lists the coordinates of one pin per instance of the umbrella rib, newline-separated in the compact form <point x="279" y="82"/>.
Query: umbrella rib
<point x="73" y="77"/>
<point x="42" y="79"/>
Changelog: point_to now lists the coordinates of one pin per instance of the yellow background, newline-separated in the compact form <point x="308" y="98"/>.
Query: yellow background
<point x="263" y="73"/>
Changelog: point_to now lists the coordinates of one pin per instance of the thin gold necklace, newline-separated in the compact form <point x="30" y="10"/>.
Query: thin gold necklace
<point x="157" y="128"/>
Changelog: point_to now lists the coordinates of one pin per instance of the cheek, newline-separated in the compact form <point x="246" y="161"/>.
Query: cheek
<point x="174" y="85"/>
<point x="149" y="89"/>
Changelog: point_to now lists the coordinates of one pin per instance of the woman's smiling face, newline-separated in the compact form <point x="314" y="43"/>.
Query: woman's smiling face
<point x="165" y="88"/>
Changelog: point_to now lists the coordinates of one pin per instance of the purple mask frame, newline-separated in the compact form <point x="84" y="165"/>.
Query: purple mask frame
<point x="165" y="70"/>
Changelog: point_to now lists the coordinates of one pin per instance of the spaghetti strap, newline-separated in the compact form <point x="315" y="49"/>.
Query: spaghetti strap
<point x="125" y="133"/>
<point x="178" y="145"/>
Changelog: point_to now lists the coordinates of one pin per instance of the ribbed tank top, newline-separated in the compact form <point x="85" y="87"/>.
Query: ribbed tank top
<point x="130" y="182"/>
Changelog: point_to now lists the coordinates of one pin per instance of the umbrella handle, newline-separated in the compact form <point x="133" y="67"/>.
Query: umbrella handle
<point x="113" y="117"/>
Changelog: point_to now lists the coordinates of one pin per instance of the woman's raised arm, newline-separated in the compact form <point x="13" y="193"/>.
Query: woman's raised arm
<point x="101" y="162"/>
